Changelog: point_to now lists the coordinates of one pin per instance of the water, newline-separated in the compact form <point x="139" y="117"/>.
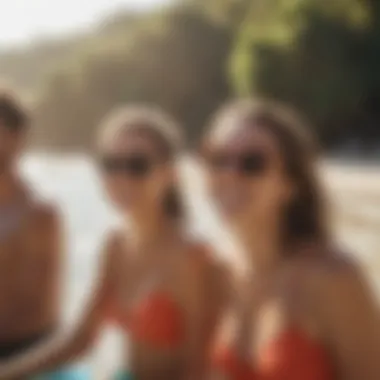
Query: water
<point x="72" y="182"/>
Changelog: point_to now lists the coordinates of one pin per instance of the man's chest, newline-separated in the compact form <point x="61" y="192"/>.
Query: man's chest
<point x="24" y="261"/>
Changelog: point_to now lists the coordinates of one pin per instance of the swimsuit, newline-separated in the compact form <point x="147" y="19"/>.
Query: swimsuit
<point x="13" y="348"/>
<point x="124" y="375"/>
<point x="73" y="372"/>
<point x="157" y="321"/>
<point x="292" y="356"/>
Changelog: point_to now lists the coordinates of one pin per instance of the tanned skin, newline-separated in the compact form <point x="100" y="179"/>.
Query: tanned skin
<point x="30" y="250"/>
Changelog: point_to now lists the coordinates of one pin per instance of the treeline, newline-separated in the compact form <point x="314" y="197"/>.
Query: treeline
<point x="321" y="56"/>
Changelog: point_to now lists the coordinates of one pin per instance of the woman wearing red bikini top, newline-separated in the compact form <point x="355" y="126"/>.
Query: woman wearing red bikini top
<point x="158" y="284"/>
<point x="302" y="310"/>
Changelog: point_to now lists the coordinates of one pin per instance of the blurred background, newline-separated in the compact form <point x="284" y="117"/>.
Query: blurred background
<point x="73" y="61"/>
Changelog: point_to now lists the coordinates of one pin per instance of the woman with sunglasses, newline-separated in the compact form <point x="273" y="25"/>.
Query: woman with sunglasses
<point x="304" y="310"/>
<point x="157" y="283"/>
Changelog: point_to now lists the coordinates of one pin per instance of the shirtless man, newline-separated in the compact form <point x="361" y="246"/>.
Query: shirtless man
<point x="29" y="245"/>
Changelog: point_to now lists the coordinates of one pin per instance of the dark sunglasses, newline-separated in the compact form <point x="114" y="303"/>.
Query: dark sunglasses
<point x="134" y="166"/>
<point x="247" y="164"/>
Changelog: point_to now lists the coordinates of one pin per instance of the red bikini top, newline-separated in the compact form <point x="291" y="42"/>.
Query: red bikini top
<point x="156" y="320"/>
<point x="292" y="356"/>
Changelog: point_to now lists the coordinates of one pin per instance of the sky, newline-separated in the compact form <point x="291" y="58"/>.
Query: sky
<point x="22" y="21"/>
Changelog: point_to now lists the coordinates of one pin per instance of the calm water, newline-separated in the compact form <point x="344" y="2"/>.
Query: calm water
<point x="72" y="182"/>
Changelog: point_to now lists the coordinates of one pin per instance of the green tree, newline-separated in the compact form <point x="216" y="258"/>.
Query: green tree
<point x="320" y="56"/>
<point x="176" y="60"/>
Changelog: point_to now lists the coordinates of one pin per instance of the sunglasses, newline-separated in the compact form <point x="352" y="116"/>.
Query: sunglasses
<point x="250" y="164"/>
<point x="137" y="166"/>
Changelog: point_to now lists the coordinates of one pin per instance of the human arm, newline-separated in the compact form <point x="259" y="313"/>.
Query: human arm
<point x="65" y="345"/>
<point x="51" y="246"/>
<point x="207" y="298"/>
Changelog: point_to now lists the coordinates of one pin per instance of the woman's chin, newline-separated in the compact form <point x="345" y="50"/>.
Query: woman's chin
<point x="125" y="208"/>
<point x="233" y="214"/>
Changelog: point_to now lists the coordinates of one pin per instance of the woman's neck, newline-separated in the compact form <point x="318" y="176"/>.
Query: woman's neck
<point x="261" y="244"/>
<point x="152" y="230"/>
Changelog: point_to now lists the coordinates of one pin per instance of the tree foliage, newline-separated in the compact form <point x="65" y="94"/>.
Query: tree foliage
<point x="322" y="56"/>
<point x="175" y="60"/>
<point x="319" y="56"/>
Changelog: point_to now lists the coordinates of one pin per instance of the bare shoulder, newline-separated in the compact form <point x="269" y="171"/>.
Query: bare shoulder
<point x="205" y="258"/>
<point x="112" y="244"/>
<point x="46" y="214"/>
<point x="45" y="227"/>
<point x="333" y="275"/>
<point x="344" y="277"/>
<point x="328" y="265"/>
<point x="113" y="238"/>
<point x="206" y="264"/>
<point x="114" y="250"/>
<point x="343" y="305"/>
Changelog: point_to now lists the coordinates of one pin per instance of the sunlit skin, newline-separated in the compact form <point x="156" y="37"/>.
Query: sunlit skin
<point x="317" y="289"/>
<point x="244" y="200"/>
<point x="11" y="146"/>
<point x="29" y="254"/>
<point x="152" y="253"/>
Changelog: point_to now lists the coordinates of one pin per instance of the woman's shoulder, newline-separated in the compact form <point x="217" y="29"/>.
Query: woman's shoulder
<point x="203" y="253"/>
<point x="114" y="246"/>
<point x="205" y="262"/>
<point x="329" y="261"/>
<point x="341" y="298"/>
<point x="44" y="212"/>
<point x="331" y="272"/>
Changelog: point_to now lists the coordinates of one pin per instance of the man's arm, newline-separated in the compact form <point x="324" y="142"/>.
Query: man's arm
<point x="66" y="345"/>
<point x="53" y="247"/>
